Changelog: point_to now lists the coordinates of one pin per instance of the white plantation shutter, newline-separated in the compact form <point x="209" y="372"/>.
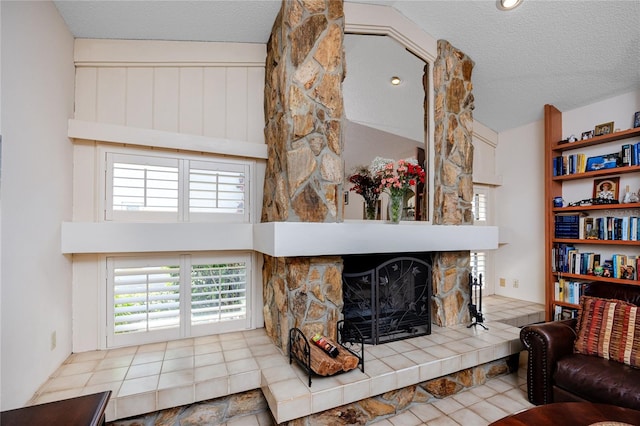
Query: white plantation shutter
<point x="220" y="189"/>
<point x="479" y="266"/>
<point x="479" y="206"/>
<point x="175" y="188"/>
<point x="218" y="293"/>
<point x="163" y="298"/>
<point x="481" y="217"/>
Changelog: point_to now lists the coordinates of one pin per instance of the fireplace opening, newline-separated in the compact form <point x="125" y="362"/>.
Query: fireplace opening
<point x="387" y="297"/>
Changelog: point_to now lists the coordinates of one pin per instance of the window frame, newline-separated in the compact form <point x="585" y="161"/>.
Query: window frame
<point x="488" y="274"/>
<point x="185" y="329"/>
<point x="185" y="162"/>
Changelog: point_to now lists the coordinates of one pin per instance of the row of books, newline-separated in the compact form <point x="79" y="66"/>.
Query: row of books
<point x="567" y="225"/>
<point x="578" y="226"/>
<point x="629" y="155"/>
<point x="563" y="313"/>
<point x="568" y="291"/>
<point x="568" y="259"/>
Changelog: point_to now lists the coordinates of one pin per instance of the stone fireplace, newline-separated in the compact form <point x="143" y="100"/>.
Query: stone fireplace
<point x="304" y="174"/>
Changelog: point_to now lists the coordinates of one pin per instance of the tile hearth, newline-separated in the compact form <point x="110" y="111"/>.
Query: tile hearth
<point x="157" y="376"/>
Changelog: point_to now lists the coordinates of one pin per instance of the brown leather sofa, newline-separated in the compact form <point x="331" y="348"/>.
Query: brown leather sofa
<point x="556" y="374"/>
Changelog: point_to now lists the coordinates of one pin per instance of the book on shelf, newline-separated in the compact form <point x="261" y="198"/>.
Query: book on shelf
<point x="566" y="258"/>
<point x="567" y="225"/>
<point x="568" y="291"/>
<point x="626" y="228"/>
<point x="629" y="155"/>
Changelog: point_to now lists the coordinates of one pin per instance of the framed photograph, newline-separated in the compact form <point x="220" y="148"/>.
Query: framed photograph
<point x="603" y="129"/>
<point x="600" y="162"/>
<point x="607" y="188"/>
<point x="587" y="135"/>
<point x="636" y="119"/>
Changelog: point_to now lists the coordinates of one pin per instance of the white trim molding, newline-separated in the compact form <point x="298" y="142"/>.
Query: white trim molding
<point x="130" y="53"/>
<point x="88" y="130"/>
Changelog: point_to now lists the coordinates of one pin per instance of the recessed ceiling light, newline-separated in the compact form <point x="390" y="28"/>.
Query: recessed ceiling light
<point x="395" y="80"/>
<point x="508" y="4"/>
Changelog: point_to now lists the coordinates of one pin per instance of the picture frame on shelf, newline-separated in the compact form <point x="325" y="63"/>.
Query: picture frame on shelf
<point x="636" y="119"/>
<point x="600" y="162"/>
<point x="603" y="129"/>
<point x="587" y="135"/>
<point x="606" y="188"/>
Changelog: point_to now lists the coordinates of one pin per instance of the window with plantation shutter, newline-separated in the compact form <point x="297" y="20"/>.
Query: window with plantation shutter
<point x="164" y="298"/>
<point x="478" y="266"/>
<point x="479" y="206"/>
<point x="175" y="188"/>
<point x="216" y="188"/>
<point x="218" y="292"/>
<point x="480" y="261"/>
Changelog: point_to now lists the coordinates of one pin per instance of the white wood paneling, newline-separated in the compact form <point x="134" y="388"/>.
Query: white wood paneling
<point x="237" y="103"/>
<point x="166" y="89"/>
<point x="84" y="181"/>
<point x="85" y="96"/>
<point x="255" y="105"/>
<point x="215" y="97"/>
<point x="139" y="97"/>
<point x="191" y="100"/>
<point x="110" y="102"/>
<point x="207" y="89"/>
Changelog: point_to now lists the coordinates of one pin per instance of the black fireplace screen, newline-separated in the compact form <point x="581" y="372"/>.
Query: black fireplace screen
<point x="390" y="301"/>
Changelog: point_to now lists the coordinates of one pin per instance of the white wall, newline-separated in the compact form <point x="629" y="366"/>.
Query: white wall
<point x="37" y="100"/>
<point x="519" y="209"/>
<point x="519" y="212"/>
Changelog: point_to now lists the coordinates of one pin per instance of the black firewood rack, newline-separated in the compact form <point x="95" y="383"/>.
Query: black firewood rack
<point x="349" y="338"/>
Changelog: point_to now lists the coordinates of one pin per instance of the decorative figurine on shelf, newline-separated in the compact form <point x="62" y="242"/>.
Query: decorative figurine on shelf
<point x="630" y="197"/>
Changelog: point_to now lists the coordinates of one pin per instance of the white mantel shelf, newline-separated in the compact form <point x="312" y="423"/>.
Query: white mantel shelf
<point x="284" y="239"/>
<point x="277" y="239"/>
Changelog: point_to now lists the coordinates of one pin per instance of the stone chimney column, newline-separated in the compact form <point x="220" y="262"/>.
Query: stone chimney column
<point x="304" y="113"/>
<point x="453" y="170"/>
<point x="304" y="174"/>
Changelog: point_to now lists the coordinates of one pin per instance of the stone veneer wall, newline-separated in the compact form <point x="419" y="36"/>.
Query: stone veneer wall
<point x="453" y="169"/>
<point x="301" y="292"/>
<point x="303" y="181"/>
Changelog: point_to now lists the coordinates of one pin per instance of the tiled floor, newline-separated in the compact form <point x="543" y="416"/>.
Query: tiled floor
<point x="157" y="376"/>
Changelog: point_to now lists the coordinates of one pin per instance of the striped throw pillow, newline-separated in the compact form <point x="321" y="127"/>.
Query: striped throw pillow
<point x="609" y="329"/>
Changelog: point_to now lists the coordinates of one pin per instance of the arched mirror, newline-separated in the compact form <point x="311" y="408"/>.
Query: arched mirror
<point x="383" y="119"/>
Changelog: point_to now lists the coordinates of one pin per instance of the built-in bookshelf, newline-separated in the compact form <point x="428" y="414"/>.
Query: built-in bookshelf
<point x="588" y="241"/>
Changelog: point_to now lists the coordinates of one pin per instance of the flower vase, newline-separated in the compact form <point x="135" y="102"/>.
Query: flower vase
<point x="370" y="208"/>
<point x="395" y="206"/>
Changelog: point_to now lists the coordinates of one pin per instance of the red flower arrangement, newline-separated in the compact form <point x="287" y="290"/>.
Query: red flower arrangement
<point x="406" y="175"/>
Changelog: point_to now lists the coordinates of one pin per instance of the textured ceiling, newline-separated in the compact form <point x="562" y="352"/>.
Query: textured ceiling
<point x="567" y="53"/>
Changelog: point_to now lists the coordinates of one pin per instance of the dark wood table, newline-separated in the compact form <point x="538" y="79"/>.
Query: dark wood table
<point x="570" y="413"/>
<point x="87" y="410"/>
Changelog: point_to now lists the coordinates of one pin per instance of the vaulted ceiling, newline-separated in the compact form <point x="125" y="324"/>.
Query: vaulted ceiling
<point x="567" y="53"/>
